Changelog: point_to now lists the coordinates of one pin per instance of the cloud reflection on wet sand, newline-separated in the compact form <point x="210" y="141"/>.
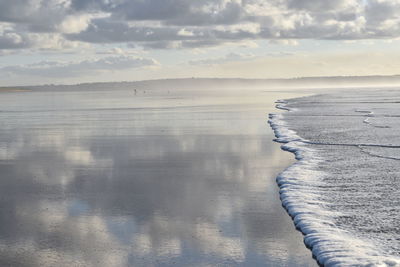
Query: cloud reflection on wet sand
<point x="192" y="185"/>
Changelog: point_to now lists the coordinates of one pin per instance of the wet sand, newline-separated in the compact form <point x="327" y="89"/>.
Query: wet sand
<point x="110" y="178"/>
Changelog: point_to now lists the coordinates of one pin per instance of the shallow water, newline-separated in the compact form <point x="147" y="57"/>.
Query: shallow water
<point x="110" y="178"/>
<point x="344" y="190"/>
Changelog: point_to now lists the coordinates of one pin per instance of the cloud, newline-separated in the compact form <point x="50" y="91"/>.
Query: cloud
<point x="290" y="42"/>
<point x="165" y="24"/>
<point x="13" y="39"/>
<point x="71" y="69"/>
<point x="231" y="57"/>
<point x="74" y="24"/>
<point x="321" y="6"/>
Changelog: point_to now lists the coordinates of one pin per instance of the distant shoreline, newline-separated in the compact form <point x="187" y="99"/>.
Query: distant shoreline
<point x="14" y="89"/>
<point x="328" y="81"/>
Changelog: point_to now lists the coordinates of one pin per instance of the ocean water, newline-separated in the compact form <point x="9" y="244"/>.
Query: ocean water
<point x="170" y="176"/>
<point x="343" y="192"/>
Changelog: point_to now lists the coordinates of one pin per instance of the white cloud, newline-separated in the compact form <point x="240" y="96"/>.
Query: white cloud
<point x="184" y="32"/>
<point x="231" y="57"/>
<point x="251" y="27"/>
<point x="74" y="24"/>
<point x="71" y="69"/>
<point x="181" y="23"/>
<point x="291" y="42"/>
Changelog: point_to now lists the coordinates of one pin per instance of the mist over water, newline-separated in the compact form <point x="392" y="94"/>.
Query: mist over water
<point x="166" y="176"/>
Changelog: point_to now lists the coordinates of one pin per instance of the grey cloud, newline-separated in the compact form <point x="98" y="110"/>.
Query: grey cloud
<point x="200" y="43"/>
<point x="106" y="31"/>
<point x="170" y="12"/>
<point x="163" y="45"/>
<point x="231" y="13"/>
<point x="182" y="44"/>
<point x="89" y="5"/>
<point x="231" y="57"/>
<point x="152" y="9"/>
<point x="71" y="69"/>
<point x="317" y="5"/>
<point x="12" y="40"/>
<point x="384" y="18"/>
<point x="160" y="23"/>
<point x="34" y="16"/>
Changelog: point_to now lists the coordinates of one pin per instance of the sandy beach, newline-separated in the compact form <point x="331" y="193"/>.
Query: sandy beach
<point x="166" y="176"/>
<point x="342" y="191"/>
<point x="199" y="133"/>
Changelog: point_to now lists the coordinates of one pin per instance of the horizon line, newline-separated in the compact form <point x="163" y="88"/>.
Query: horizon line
<point x="311" y="78"/>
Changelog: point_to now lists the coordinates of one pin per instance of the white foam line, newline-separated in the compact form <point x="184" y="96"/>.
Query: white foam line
<point x="377" y="155"/>
<point x="370" y="114"/>
<point x="299" y="194"/>
<point x="355" y="144"/>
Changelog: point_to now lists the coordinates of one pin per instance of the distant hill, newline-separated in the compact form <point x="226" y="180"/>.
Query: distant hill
<point x="312" y="82"/>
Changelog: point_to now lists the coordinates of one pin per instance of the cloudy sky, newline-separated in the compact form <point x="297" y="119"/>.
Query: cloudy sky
<point x="72" y="41"/>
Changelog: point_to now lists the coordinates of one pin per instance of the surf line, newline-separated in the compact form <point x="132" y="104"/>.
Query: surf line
<point x="344" y="144"/>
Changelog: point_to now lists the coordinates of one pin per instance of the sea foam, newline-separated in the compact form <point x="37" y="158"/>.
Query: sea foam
<point x="329" y="203"/>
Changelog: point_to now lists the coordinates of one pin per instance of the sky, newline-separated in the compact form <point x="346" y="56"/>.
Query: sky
<point x="75" y="41"/>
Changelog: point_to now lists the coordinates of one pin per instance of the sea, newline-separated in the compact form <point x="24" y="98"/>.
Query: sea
<point x="343" y="192"/>
<point x="166" y="173"/>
